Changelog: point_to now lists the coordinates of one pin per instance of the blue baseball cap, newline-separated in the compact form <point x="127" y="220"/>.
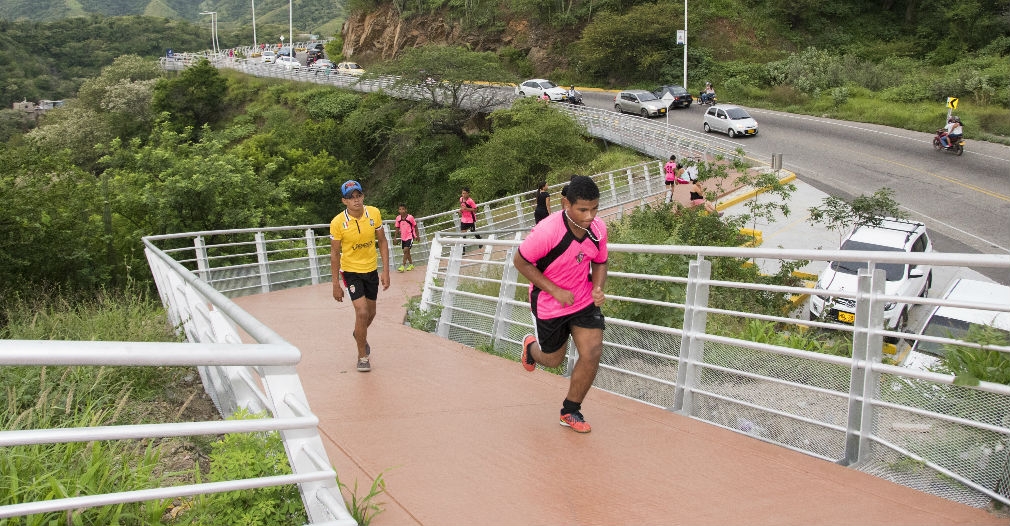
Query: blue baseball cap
<point x="349" y="187"/>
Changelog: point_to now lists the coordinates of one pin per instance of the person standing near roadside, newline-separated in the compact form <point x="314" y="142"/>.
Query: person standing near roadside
<point x="543" y="208"/>
<point x="407" y="226"/>
<point x="468" y="213"/>
<point x="354" y="262"/>
<point x="670" y="168"/>
<point x="565" y="259"/>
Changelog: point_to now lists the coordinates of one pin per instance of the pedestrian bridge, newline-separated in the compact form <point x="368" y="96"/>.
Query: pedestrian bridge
<point x="692" y="423"/>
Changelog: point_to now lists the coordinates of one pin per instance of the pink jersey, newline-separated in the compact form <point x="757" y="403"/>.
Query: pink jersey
<point x="553" y="248"/>
<point x="406" y="226"/>
<point x="467" y="216"/>
<point x="671" y="170"/>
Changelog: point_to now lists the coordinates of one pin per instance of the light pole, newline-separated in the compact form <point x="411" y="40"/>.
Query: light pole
<point x="291" y="39"/>
<point x="213" y="29"/>
<point x="685" y="45"/>
<point x="254" y="22"/>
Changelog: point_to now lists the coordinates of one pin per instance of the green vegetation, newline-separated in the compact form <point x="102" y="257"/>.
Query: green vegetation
<point x="247" y="455"/>
<point x="364" y="508"/>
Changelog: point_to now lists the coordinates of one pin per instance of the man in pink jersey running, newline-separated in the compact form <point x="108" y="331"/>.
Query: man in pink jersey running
<point x="565" y="259"/>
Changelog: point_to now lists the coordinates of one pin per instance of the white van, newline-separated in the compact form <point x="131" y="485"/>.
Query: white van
<point x="954" y="322"/>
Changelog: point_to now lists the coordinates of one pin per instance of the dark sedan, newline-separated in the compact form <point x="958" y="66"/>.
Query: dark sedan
<point x="674" y="96"/>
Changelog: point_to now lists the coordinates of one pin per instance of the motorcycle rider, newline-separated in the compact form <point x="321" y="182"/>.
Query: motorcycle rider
<point x="708" y="94"/>
<point x="954" y="132"/>
<point x="573" y="96"/>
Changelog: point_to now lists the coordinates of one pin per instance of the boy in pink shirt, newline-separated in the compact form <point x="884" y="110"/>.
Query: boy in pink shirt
<point x="565" y="259"/>
<point x="407" y="226"/>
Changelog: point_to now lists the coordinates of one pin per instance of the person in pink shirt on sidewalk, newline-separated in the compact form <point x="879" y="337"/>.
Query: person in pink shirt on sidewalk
<point x="407" y="226"/>
<point x="565" y="259"/>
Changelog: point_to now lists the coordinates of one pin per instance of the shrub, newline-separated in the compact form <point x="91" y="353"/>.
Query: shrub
<point x="248" y="455"/>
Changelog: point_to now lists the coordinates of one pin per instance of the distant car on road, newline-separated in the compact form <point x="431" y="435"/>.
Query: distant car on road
<point x="322" y="65"/>
<point x="350" y="68"/>
<point x="675" y="96"/>
<point x="640" y="101"/>
<point x="955" y="322"/>
<point x="729" y="119"/>
<point x="288" y="63"/>
<point x="537" y="88"/>
<point x="268" y="57"/>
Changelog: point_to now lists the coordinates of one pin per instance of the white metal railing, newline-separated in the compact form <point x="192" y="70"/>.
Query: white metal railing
<point x="913" y="427"/>
<point x="254" y="260"/>
<point x="258" y="377"/>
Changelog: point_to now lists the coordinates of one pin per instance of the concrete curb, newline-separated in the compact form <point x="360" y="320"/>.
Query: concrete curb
<point x="722" y="204"/>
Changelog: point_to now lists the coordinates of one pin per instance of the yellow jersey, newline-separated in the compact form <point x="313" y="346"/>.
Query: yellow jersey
<point x="357" y="239"/>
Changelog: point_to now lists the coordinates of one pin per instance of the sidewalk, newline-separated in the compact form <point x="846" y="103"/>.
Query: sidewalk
<point x="463" y="437"/>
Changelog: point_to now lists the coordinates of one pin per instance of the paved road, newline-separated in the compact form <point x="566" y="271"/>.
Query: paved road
<point x="965" y="201"/>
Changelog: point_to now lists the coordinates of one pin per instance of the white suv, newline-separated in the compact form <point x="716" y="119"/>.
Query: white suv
<point x="893" y="235"/>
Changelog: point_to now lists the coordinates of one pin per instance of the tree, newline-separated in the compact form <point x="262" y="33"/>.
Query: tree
<point x="636" y="45"/>
<point x="531" y="142"/>
<point x="192" y="99"/>
<point x="122" y="94"/>
<point x="446" y="76"/>
<point x="51" y="227"/>
<point x="838" y="215"/>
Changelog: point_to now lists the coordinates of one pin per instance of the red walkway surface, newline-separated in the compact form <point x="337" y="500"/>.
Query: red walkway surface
<point x="462" y="437"/>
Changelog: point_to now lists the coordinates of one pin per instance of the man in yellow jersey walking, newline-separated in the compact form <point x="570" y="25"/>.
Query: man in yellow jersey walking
<point x="355" y="232"/>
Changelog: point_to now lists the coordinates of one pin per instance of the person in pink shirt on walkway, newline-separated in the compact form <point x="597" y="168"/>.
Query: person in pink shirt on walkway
<point x="565" y="259"/>
<point x="407" y="226"/>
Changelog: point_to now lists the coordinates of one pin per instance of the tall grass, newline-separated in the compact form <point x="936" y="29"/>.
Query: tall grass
<point x="65" y="397"/>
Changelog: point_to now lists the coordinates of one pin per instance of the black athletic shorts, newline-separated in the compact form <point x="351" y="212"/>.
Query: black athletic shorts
<point x="362" y="284"/>
<point x="467" y="227"/>
<point x="552" y="334"/>
<point x="406" y="243"/>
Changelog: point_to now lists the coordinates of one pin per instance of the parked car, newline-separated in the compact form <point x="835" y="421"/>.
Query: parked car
<point x="288" y="62"/>
<point x="268" y="57"/>
<point x="729" y="119"/>
<point x="537" y="87"/>
<point x="892" y="235"/>
<point x="350" y="68"/>
<point x="640" y="101"/>
<point x="675" y="96"/>
<point x="954" y="322"/>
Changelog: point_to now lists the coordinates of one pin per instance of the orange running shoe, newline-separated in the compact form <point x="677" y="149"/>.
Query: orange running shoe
<point x="576" y="422"/>
<point x="527" y="358"/>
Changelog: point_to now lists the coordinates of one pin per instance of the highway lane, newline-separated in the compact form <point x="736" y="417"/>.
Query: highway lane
<point x="965" y="201"/>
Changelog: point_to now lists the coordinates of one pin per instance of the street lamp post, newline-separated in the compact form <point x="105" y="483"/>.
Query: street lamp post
<point x="685" y="45"/>
<point x="213" y="30"/>
<point x="291" y="39"/>
<point x="254" y="23"/>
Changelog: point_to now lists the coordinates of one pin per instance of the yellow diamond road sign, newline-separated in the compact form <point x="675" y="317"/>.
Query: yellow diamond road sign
<point x="952" y="103"/>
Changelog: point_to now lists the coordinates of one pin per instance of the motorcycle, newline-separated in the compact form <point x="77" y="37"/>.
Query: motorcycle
<point x="955" y="148"/>
<point x="576" y="100"/>
<point x="702" y="101"/>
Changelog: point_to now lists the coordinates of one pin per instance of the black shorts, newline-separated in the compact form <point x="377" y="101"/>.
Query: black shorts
<point x="552" y="334"/>
<point x="671" y="183"/>
<point x="362" y="284"/>
<point x="467" y="227"/>
<point x="406" y="243"/>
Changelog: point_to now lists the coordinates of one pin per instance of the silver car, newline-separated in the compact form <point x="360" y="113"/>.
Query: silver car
<point x="729" y="119"/>
<point x="639" y="101"/>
